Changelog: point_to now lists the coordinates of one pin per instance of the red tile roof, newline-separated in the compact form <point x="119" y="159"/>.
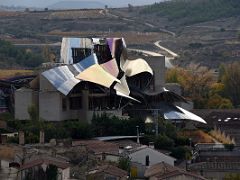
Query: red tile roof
<point x="98" y="146"/>
<point x="53" y="161"/>
<point x="163" y="171"/>
<point x="109" y="169"/>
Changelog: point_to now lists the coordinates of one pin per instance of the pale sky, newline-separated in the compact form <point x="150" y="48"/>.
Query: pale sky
<point x="45" y="3"/>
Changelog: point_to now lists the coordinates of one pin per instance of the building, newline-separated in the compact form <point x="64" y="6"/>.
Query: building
<point x="143" y="157"/>
<point x="60" y="94"/>
<point x="95" y="76"/>
<point x="164" y="171"/>
<point x="105" y="172"/>
<point x="149" y="156"/>
<point x="44" y="166"/>
<point x="102" y="150"/>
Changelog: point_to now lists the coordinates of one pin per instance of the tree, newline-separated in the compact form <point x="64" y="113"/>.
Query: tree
<point x="218" y="102"/>
<point x="163" y="142"/>
<point x="217" y="88"/>
<point x="124" y="163"/>
<point x="231" y="81"/>
<point x="33" y="113"/>
<point x="196" y="81"/>
<point x="181" y="153"/>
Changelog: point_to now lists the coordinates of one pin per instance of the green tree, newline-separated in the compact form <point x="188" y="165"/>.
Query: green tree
<point x="163" y="142"/>
<point x="218" y="102"/>
<point x="33" y="113"/>
<point x="195" y="80"/>
<point x="231" y="81"/>
<point x="124" y="163"/>
<point x="181" y="152"/>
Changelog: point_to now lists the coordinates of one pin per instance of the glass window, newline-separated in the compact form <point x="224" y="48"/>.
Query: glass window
<point x="103" y="53"/>
<point x="78" y="54"/>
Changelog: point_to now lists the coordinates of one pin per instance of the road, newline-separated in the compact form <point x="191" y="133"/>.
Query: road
<point x="172" y="54"/>
<point x="168" y="64"/>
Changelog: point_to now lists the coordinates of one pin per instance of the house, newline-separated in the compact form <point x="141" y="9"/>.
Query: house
<point x="102" y="150"/>
<point x="142" y="157"/>
<point x="45" y="166"/>
<point x="9" y="169"/>
<point x="148" y="156"/>
<point x="106" y="172"/>
<point x="164" y="171"/>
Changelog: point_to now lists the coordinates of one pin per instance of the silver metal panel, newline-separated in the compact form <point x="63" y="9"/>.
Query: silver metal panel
<point x="111" y="67"/>
<point x="86" y="63"/>
<point x="137" y="66"/>
<point x="192" y="116"/>
<point x="97" y="75"/>
<point x="184" y="115"/>
<point x="61" y="78"/>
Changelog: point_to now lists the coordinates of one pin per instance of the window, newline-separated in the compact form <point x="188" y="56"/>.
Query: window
<point x="75" y="103"/>
<point x="103" y="53"/>
<point x="147" y="161"/>
<point x="78" y="54"/>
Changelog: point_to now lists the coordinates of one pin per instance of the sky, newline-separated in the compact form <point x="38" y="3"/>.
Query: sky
<point x="45" y="3"/>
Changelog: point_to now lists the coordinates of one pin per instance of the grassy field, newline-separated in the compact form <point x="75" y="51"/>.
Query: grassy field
<point x="5" y="74"/>
<point x="131" y="37"/>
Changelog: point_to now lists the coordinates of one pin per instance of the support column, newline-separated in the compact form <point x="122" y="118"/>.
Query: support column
<point x="85" y="106"/>
<point x="42" y="137"/>
<point x="21" y="138"/>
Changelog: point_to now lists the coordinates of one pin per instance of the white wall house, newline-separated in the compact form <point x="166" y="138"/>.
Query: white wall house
<point x="146" y="153"/>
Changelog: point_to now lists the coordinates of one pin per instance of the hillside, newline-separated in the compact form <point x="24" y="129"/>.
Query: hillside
<point x="209" y="43"/>
<point x="194" y="11"/>
<point x="76" y="5"/>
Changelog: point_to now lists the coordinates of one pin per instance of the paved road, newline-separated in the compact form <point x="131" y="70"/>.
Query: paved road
<point x="173" y="54"/>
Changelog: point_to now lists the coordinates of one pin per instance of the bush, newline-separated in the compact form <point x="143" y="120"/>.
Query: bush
<point x="163" y="142"/>
<point x="124" y="163"/>
<point x="12" y="140"/>
<point x="79" y="130"/>
<point x="16" y="56"/>
<point x="181" y="153"/>
<point x="182" y="141"/>
<point x="147" y="139"/>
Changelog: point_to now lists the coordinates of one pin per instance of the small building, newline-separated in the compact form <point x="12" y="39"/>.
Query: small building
<point x="44" y="166"/>
<point x="164" y="171"/>
<point x="102" y="150"/>
<point x="149" y="156"/>
<point x="107" y="172"/>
